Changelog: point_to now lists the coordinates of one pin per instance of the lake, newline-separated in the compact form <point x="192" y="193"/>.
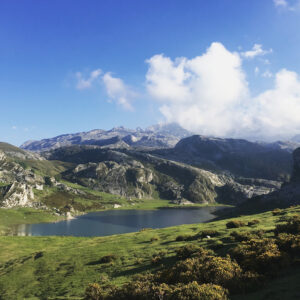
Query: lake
<point x="110" y="222"/>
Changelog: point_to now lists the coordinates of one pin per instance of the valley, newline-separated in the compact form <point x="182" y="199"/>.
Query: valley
<point x="60" y="183"/>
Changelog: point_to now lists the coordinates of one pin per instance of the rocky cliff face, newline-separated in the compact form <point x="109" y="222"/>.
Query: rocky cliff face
<point x="16" y="184"/>
<point x="141" y="175"/>
<point x="239" y="157"/>
<point x="287" y="195"/>
<point x="128" y="172"/>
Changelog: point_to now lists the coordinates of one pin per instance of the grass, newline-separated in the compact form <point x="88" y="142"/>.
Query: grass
<point x="65" y="265"/>
<point x="11" y="217"/>
<point x="44" y="167"/>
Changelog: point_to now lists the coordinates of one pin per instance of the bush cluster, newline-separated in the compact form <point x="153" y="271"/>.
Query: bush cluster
<point x="260" y="255"/>
<point x="253" y="222"/>
<point x="146" y="290"/>
<point x="186" y="237"/>
<point x="277" y="212"/>
<point x="235" y="224"/>
<point x="108" y="258"/>
<point x="242" y="236"/>
<point x="292" y="226"/>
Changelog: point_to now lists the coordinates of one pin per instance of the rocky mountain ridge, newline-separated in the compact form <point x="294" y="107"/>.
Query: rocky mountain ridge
<point x="237" y="156"/>
<point x="157" y="136"/>
<point x="133" y="173"/>
<point x="197" y="169"/>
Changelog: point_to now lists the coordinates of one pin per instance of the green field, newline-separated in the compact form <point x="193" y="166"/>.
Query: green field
<point x="11" y="217"/>
<point x="61" y="267"/>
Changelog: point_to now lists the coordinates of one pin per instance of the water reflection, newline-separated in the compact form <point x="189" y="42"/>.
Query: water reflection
<point x="118" y="221"/>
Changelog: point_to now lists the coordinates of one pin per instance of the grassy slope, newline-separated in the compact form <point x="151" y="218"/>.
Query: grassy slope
<point x="12" y="217"/>
<point x="44" y="167"/>
<point x="68" y="264"/>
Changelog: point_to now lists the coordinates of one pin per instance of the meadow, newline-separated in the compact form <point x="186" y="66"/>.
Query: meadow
<point x="62" y="267"/>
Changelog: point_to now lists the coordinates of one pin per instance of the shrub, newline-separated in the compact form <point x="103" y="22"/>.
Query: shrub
<point x="194" y="291"/>
<point x="94" y="292"/>
<point x="192" y="250"/>
<point x="253" y="222"/>
<point x="205" y="269"/>
<point x="157" y="257"/>
<point x="186" y="237"/>
<point x="154" y="238"/>
<point x="289" y="243"/>
<point x="235" y="224"/>
<point x="260" y="255"/>
<point x="108" y="258"/>
<point x="220" y="270"/>
<point x="292" y="226"/>
<point x="241" y="236"/>
<point x="48" y="181"/>
<point x="277" y="212"/>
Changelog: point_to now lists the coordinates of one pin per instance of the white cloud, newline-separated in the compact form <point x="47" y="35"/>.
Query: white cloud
<point x="280" y="3"/>
<point x="267" y="74"/>
<point x="86" y="83"/>
<point x="276" y="112"/>
<point x="200" y="94"/>
<point x="115" y="88"/>
<point x="256" y="70"/>
<point x="14" y="127"/>
<point x="287" y="5"/>
<point x="209" y="95"/>
<point x="118" y="91"/>
<point x="256" y="50"/>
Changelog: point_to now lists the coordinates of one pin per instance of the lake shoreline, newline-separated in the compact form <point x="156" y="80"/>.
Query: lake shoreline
<point x="111" y="222"/>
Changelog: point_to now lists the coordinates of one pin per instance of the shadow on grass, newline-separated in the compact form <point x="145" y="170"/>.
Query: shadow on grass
<point x="165" y="262"/>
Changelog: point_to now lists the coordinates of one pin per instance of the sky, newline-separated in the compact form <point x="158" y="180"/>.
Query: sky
<point x="223" y="68"/>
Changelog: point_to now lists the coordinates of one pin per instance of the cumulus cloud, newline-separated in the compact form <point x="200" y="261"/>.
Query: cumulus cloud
<point x="86" y="83"/>
<point x="276" y="112"/>
<point x="209" y="94"/>
<point x="118" y="91"/>
<point x="257" y="50"/>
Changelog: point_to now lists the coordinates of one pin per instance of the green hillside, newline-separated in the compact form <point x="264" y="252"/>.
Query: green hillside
<point x="62" y="267"/>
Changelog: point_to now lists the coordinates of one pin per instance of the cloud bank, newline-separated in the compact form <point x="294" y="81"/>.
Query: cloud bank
<point x="209" y="94"/>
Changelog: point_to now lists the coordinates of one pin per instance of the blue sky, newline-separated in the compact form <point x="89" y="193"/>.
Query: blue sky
<point x="69" y="66"/>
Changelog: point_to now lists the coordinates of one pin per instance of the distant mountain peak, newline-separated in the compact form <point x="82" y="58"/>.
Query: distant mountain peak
<point x="156" y="136"/>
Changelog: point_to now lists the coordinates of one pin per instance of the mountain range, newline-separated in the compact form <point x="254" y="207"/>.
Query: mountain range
<point x="69" y="172"/>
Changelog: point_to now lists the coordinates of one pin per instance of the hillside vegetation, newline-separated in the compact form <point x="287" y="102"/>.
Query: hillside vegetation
<point x="63" y="267"/>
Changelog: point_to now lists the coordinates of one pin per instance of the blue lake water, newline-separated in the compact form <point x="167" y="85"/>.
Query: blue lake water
<point x="110" y="222"/>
